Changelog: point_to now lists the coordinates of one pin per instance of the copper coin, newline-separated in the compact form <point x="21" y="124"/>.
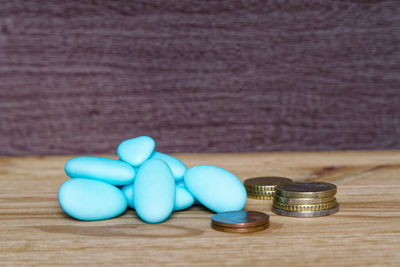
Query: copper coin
<point x="307" y="190"/>
<point x="240" y="230"/>
<point x="240" y="219"/>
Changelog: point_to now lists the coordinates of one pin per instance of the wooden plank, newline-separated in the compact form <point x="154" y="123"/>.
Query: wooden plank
<point x="365" y="232"/>
<point x="199" y="76"/>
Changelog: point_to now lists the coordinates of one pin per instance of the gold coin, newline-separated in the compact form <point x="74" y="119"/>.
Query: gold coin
<point x="267" y="195"/>
<point x="306" y="214"/>
<point x="264" y="187"/>
<point x="316" y="207"/>
<point x="303" y="201"/>
<point x="307" y="190"/>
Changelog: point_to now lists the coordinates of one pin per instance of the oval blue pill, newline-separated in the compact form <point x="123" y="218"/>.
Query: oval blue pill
<point x="177" y="167"/>
<point x="154" y="191"/>
<point x="216" y="188"/>
<point x="127" y="190"/>
<point x="111" y="171"/>
<point x="183" y="198"/>
<point x="136" y="150"/>
<point x="181" y="183"/>
<point x="91" y="200"/>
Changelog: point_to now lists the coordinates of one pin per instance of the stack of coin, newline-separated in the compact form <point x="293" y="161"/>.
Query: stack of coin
<point x="240" y="221"/>
<point x="264" y="187"/>
<point x="305" y="199"/>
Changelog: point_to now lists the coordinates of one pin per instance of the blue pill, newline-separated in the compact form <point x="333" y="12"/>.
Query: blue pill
<point x="154" y="191"/>
<point x="216" y="188"/>
<point x="183" y="198"/>
<point x="178" y="168"/>
<point x="91" y="200"/>
<point x="111" y="171"/>
<point x="136" y="150"/>
<point x="127" y="190"/>
<point x="181" y="183"/>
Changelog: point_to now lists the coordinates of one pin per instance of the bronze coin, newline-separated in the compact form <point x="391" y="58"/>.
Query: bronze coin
<point x="240" y="230"/>
<point x="307" y="190"/>
<point x="240" y="219"/>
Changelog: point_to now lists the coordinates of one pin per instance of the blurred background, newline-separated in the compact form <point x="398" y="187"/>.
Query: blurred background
<point x="79" y="77"/>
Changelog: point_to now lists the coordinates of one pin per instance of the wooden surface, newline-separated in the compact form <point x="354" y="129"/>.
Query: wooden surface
<point x="366" y="231"/>
<point x="199" y="76"/>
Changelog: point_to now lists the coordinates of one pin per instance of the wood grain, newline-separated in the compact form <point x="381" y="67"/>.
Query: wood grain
<point x="199" y="76"/>
<point x="365" y="232"/>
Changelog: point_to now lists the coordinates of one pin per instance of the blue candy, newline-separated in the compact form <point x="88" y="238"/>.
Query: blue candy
<point x="154" y="191"/>
<point x="177" y="167"/>
<point x="127" y="190"/>
<point x="216" y="188"/>
<point x="181" y="183"/>
<point x="111" y="171"/>
<point x="183" y="198"/>
<point x="162" y="185"/>
<point x="91" y="200"/>
<point x="135" y="151"/>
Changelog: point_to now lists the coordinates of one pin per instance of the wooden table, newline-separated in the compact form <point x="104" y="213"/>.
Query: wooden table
<point x="366" y="231"/>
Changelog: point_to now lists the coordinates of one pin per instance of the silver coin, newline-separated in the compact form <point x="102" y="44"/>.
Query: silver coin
<point x="306" y="214"/>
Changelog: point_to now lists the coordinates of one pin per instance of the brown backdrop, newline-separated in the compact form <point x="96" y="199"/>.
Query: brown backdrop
<point x="81" y="76"/>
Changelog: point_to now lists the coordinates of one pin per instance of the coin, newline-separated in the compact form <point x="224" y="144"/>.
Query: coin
<point x="302" y="201"/>
<point x="307" y="190"/>
<point x="315" y="207"/>
<point x="306" y="214"/>
<point x="267" y="195"/>
<point x="240" y="219"/>
<point x="264" y="187"/>
<point x="240" y="230"/>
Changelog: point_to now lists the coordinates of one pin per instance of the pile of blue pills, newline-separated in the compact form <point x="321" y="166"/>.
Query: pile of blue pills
<point x="152" y="183"/>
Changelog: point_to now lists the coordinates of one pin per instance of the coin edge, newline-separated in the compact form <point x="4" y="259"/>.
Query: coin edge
<point x="241" y="229"/>
<point x="306" y="214"/>
<point x="241" y="225"/>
